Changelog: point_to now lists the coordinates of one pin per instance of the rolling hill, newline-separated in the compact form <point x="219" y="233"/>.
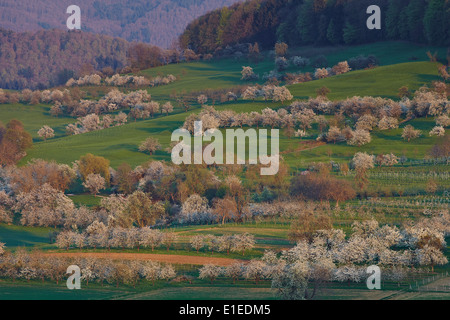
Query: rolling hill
<point x="158" y="22"/>
<point x="120" y="144"/>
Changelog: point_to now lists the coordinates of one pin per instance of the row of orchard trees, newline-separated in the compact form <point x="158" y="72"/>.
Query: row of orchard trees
<point x="74" y="103"/>
<point x="226" y="243"/>
<point x="282" y="63"/>
<point x="47" y="206"/>
<point x="36" y="266"/>
<point x="97" y="235"/>
<point x="138" y="103"/>
<point x="112" y="101"/>
<point x="118" y="80"/>
<point x="367" y="112"/>
<point x="268" y="92"/>
<point x="364" y="113"/>
<point x="353" y="120"/>
<point x="59" y="97"/>
<point x="327" y="255"/>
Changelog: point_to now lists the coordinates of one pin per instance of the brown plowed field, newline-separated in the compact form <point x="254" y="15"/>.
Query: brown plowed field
<point x="166" y="258"/>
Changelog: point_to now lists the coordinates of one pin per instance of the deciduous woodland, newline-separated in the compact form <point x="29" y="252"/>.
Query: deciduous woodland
<point x="157" y="22"/>
<point x="51" y="57"/>
<point x="318" y="22"/>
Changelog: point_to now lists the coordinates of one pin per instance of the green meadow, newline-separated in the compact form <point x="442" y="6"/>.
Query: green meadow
<point x="19" y="236"/>
<point x="120" y="144"/>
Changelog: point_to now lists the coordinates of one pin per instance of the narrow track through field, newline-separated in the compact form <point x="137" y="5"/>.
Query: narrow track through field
<point x="166" y="258"/>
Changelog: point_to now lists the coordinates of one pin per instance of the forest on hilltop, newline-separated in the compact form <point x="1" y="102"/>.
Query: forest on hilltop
<point x="51" y="57"/>
<point x="158" y="22"/>
<point x="318" y="22"/>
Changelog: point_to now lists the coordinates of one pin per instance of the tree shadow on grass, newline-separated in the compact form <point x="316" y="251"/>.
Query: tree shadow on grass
<point x="21" y="238"/>
<point x="383" y="136"/>
<point x="152" y="130"/>
<point x="125" y="146"/>
<point x="428" y="78"/>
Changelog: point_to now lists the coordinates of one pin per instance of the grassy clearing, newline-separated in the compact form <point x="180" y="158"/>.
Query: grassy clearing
<point x="85" y="200"/>
<point x="34" y="118"/>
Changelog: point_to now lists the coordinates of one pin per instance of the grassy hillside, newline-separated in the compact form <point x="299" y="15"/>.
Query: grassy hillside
<point x="120" y="144"/>
<point x="198" y="76"/>
<point x="34" y="117"/>
<point x="384" y="81"/>
<point x="19" y="236"/>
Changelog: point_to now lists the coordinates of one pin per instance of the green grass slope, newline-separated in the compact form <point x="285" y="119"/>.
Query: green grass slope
<point x="120" y="144"/>
<point x="197" y="76"/>
<point x="34" y="117"/>
<point x="384" y="81"/>
<point x="20" y="236"/>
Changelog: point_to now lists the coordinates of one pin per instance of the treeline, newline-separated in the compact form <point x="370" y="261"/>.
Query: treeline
<point x="318" y="22"/>
<point x="51" y="57"/>
<point x="97" y="235"/>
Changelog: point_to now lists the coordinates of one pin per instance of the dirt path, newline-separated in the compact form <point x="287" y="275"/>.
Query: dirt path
<point x="166" y="258"/>
<point x="305" y="146"/>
